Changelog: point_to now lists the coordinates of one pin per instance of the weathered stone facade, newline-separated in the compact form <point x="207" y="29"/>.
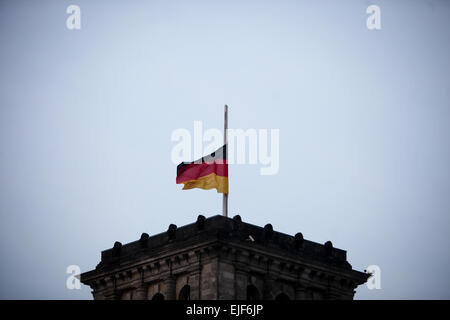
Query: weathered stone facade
<point x="223" y="258"/>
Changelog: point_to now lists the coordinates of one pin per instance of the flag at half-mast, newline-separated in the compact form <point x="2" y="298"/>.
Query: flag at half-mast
<point x="209" y="172"/>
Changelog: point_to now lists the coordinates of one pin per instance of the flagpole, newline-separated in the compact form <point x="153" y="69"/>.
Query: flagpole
<point x="225" y="140"/>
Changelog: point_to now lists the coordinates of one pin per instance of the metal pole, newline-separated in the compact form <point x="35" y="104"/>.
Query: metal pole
<point x="225" y="140"/>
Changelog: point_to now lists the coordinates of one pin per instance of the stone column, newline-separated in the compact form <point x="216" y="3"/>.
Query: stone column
<point x="141" y="293"/>
<point x="226" y="281"/>
<point x="141" y="290"/>
<point x="241" y="271"/>
<point x="194" y="283"/>
<point x="209" y="280"/>
<point x="300" y="292"/>
<point x="269" y="284"/>
<point x="333" y="294"/>
<point x="169" y="288"/>
<point x="111" y="295"/>
<point x="240" y="284"/>
<point x="195" y="276"/>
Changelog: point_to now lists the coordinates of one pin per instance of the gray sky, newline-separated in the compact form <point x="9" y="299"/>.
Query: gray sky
<point x="86" y="118"/>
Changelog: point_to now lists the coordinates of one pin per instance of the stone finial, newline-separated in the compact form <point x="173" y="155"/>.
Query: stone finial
<point x="298" y="240"/>
<point x="172" y="231"/>
<point x="237" y="218"/>
<point x="268" y="231"/>
<point x="328" y="248"/>
<point x="116" y="249"/>
<point x="236" y="222"/>
<point x="144" y="240"/>
<point x="200" y="222"/>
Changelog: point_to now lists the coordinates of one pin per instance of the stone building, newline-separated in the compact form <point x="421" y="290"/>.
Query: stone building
<point x="223" y="258"/>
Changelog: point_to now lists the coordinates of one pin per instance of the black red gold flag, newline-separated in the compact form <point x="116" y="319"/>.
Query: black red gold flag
<point x="209" y="172"/>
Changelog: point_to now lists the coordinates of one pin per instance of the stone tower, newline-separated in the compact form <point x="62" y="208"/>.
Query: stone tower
<point x="223" y="258"/>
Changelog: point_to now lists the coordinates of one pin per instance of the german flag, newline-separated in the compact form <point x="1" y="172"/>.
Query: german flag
<point x="206" y="173"/>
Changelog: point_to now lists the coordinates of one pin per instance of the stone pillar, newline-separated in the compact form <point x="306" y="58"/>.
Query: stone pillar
<point x="334" y="294"/>
<point x="141" y="290"/>
<point x="241" y="270"/>
<point x="226" y="281"/>
<point x="300" y="292"/>
<point x="111" y="295"/>
<point x="240" y="283"/>
<point x="111" y="292"/>
<point x="141" y="293"/>
<point x="169" y="288"/>
<point x="269" y="285"/>
<point x="209" y="280"/>
<point x="194" y="283"/>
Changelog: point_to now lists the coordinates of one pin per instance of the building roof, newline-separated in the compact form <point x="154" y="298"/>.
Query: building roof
<point x="222" y="230"/>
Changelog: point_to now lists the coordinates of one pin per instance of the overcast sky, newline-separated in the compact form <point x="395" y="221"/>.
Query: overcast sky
<point x="86" y="118"/>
